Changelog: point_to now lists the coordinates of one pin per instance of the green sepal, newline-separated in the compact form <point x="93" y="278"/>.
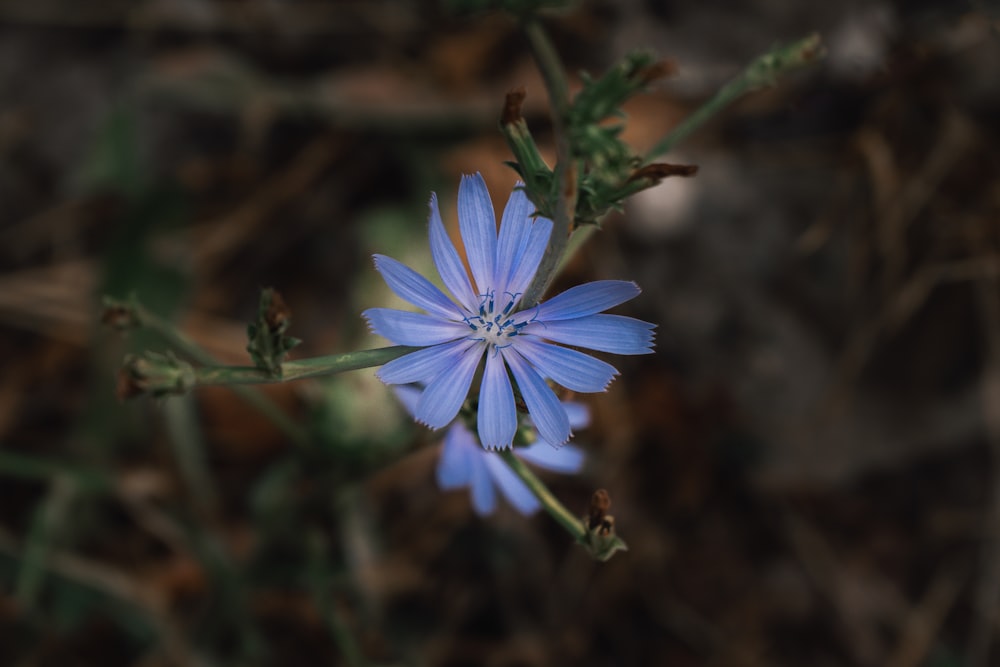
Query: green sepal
<point x="603" y="547"/>
<point x="155" y="374"/>
<point x="268" y="345"/>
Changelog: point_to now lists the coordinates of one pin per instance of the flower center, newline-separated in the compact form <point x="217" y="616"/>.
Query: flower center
<point x="495" y="323"/>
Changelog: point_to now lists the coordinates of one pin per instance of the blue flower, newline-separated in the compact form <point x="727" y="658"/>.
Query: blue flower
<point x="464" y="463"/>
<point x="485" y="320"/>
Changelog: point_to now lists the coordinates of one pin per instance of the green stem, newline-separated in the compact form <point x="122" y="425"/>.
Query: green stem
<point x="252" y="397"/>
<point x="551" y="68"/>
<point x="189" y="450"/>
<point x="558" y="511"/>
<point x="300" y="369"/>
<point x="760" y="73"/>
<point x="554" y="75"/>
<point x="48" y="520"/>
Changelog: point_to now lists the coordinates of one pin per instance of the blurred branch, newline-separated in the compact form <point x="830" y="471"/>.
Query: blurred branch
<point x="762" y="72"/>
<point x="224" y="16"/>
<point x="595" y="171"/>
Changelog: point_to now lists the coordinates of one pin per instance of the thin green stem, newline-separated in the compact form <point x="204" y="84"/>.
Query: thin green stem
<point x="554" y="75"/>
<point x="551" y="68"/>
<point x="760" y="73"/>
<point x="254" y="398"/>
<point x="49" y="518"/>
<point x="299" y="369"/>
<point x="558" y="511"/>
<point x="189" y="450"/>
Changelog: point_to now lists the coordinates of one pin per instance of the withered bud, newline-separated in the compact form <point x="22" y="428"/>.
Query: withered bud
<point x="128" y="384"/>
<point x="119" y="317"/>
<point x="600" y="503"/>
<point x="278" y="314"/>
<point x="600" y="538"/>
<point x="812" y="48"/>
<point x="656" y="71"/>
<point x="512" y="106"/>
<point x="154" y="374"/>
<point x="660" y="170"/>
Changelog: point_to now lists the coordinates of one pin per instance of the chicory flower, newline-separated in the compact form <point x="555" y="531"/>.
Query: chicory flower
<point x="485" y="320"/>
<point x="465" y="464"/>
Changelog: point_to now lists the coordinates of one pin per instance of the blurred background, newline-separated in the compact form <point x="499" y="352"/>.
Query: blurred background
<point x="806" y="471"/>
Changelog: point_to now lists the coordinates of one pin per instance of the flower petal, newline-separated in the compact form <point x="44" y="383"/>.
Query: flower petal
<point x="455" y="464"/>
<point x="607" y="333"/>
<point x="578" y="413"/>
<point x="526" y="262"/>
<point x="424" y="365"/>
<point x="447" y="261"/>
<point x="570" y="368"/>
<point x="497" y="413"/>
<point x="413" y="287"/>
<point x="445" y="394"/>
<point x="408" y="395"/>
<point x="477" y="222"/>
<point x="546" y="411"/>
<point x="484" y="495"/>
<point x="514" y="227"/>
<point x="404" y="328"/>
<point x="511" y="487"/>
<point x="587" y="299"/>
<point x="566" y="459"/>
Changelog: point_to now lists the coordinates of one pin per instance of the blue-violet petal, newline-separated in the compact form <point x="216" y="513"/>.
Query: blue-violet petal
<point x="569" y="368"/>
<point x="606" y="333"/>
<point x="413" y="287"/>
<point x="497" y="413"/>
<point x="546" y="411"/>
<point x="513" y="236"/>
<point x="566" y="459"/>
<point x="425" y="364"/>
<point x="484" y="496"/>
<point x="511" y="487"/>
<point x="445" y="394"/>
<point x="417" y="329"/>
<point x="587" y="299"/>
<point x="456" y="462"/>
<point x="526" y="263"/>
<point x="477" y="222"/>
<point x="447" y="261"/>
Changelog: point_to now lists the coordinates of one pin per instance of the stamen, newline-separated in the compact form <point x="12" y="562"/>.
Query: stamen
<point x="510" y="304"/>
<point x="494" y="327"/>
